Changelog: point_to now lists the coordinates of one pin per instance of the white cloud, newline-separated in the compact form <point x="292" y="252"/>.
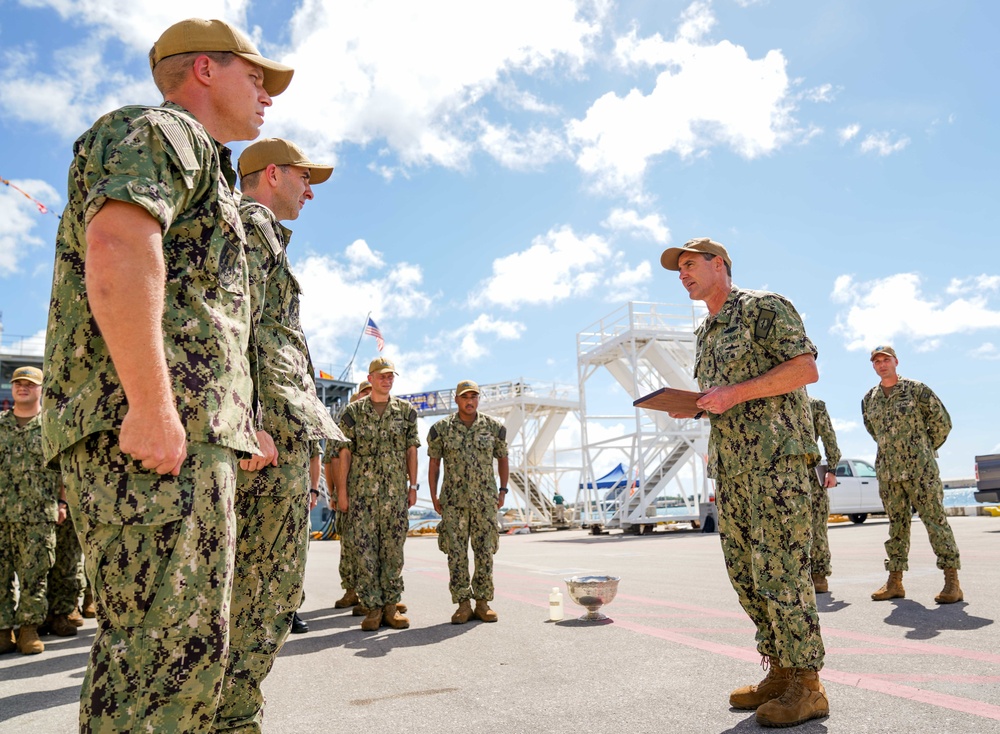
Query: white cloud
<point x="848" y="133"/>
<point x="976" y="284"/>
<point x="889" y="308"/>
<point x="470" y="336"/>
<point x="706" y="95"/>
<point x="626" y="284"/>
<point x="987" y="350"/>
<point x="521" y="151"/>
<point x="843" y="426"/>
<point x="628" y="220"/>
<point x="822" y="93"/>
<point x="19" y="217"/>
<point x="882" y="144"/>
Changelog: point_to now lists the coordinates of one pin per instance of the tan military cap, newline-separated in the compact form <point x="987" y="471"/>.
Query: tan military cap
<point x="263" y="153"/>
<point x="364" y="385"/>
<point x="671" y="255"/>
<point x="31" y="374"/>
<point x="883" y="349"/>
<point x="466" y="386"/>
<point x="380" y="365"/>
<point x="194" y="35"/>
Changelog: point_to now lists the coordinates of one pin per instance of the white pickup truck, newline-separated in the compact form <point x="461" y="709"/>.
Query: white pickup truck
<point x="856" y="493"/>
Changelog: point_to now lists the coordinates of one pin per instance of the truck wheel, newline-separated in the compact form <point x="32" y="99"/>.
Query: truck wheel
<point x="858" y="518"/>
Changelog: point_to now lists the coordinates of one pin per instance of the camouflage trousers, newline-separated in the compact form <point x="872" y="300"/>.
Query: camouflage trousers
<point x="819" y="556"/>
<point x="927" y="497"/>
<point x="348" y="556"/>
<point x="159" y="551"/>
<point x="272" y="520"/>
<point x="379" y="523"/>
<point x="460" y="527"/>
<point x="766" y="531"/>
<point x="66" y="579"/>
<point x="27" y="550"/>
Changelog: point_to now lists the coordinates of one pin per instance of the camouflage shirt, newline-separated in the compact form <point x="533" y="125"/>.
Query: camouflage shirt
<point x="164" y="161"/>
<point x="823" y="431"/>
<point x="754" y="332"/>
<point x="468" y="453"/>
<point x="291" y="408"/>
<point x="29" y="492"/>
<point x="378" y="445"/>
<point x="909" y="426"/>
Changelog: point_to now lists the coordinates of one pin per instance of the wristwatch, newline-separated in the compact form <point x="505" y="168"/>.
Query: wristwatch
<point x="503" y="489"/>
<point x="414" y="487"/>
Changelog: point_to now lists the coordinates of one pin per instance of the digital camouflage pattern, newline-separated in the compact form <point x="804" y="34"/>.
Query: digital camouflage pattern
<point x="909" y="426"/>
<point x="766" y="533"/>
<point x="159" y="550"/>
<point x="29" y="492"/>
<point x="822" y="431"/>
<point x="753" y="332"/>
<point x="163" y="160"/>
<point x="348" y="557"/>
<point x="66" y="579"/>
<point x="760" y="453"/>
<point x="377" y="494"/>
<point x="468" y="500"/>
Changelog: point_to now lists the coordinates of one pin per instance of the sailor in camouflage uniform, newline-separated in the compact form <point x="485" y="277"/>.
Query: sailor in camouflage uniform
<point x="150" y="398"/>
<point x="348" y="557"/>
<point x="378" y="473"/>
<point x="30" y="507"/>
<point x="468" y="442"/>
<point x="910" y="423"/>
<point x="819" y="557"/>
<point x="66" y="580"/>
<point x="272" y="500"/>
<point x="753" y="361"/>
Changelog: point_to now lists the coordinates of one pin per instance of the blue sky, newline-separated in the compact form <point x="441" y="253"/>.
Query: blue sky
<point x="508" y="174"/>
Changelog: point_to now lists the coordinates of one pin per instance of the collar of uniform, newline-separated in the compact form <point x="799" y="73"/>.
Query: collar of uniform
<point x="225" y="155"/>
<point x="725" y="313"/>
<point x="286" y="233"/>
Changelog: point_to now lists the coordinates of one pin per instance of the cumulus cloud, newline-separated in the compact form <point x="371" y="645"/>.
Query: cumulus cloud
<point x="843" y="426"/>
<point x="987" y="350"/>
<point x="470" y="336"/>
<point x="882" y="143"/>
<point x="975" y="284"/>
<point x="885" y="309"/>
<point x="18" y="219"/>
<point x="631" y="222"/>
<point x="706" y="95"/>
<point x="846" y="134"/>
<point x="822" y="93"/>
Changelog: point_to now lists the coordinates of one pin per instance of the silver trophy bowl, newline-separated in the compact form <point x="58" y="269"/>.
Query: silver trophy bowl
<point x="592" y="592"/>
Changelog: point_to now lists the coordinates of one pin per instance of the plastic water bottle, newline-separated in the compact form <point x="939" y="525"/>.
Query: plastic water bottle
<point x="555" y="604"/>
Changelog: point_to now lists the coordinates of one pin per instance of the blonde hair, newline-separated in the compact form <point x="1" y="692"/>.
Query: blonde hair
<point x="171" y="72"/>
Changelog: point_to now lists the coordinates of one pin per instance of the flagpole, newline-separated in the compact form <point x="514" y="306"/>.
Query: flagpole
<point x="356" y="347"/>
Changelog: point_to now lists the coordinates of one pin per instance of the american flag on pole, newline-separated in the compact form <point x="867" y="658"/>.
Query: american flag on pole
<point x="372" y="330"/>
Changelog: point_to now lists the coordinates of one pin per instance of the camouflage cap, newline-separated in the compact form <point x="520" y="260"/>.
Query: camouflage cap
<point x="466" y="386"/>
<point x="380" y="365"/>
<point x="195" y="34"/>
<point x="884" y="349"/>
<point x="31" y="374"/>
<point x="671" y="255"/>
<point x="263" y="153"/>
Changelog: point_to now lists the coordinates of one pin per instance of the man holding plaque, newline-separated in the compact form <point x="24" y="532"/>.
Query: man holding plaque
<point x="752" y="364"/>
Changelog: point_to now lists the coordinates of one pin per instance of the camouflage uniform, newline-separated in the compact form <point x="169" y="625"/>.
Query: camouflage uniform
<point x="28" y="513"/>
<point x="822" y="431"/>
<point x="468" y="500"/>
<point x="66" y="579"/>
<point x="159" y="549"/>
<point x="348" y="556"/>
<point x="909" y="426"/>
<point x="272" y="505"/>
<point x="759" y="453"/>
<point x="377" y="495"/>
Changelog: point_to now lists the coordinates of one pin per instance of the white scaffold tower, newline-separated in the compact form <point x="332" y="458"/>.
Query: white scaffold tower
<point x="643" y="346"/>
<point x="532" y="411"/>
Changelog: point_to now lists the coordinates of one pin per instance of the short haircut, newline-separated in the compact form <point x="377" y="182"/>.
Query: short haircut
<point x="709" y="256"/>
<point x="252" y="180"/>
<point x="171" y="72"/>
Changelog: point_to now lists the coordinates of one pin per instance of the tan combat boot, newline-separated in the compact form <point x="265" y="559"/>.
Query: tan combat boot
<point x="820" y="584"/>
<point x="27" y="640"/>
<point x="774" y="684"/>
<point x="951" y="592"/>
<point x="891" y="589"/>
<point x="803" y="699"/>
<point x="60" y="626"/>
<point x="483" y="611"/>
<point x="373" y="620"/>
<point x="7" y="642"/>
<point x="360" y="611"/>
<point x="349" y="599"/>
<point x="392" y="618"/>
<point x="463" y="614"/>
<point x="75" y="618"/>
<point x="89" y="609"/>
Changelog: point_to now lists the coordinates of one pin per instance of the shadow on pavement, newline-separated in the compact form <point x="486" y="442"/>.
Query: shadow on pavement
<point x="927" y="623"/>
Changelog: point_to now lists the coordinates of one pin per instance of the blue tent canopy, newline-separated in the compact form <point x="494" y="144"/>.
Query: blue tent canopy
<point x="616" y="480"/>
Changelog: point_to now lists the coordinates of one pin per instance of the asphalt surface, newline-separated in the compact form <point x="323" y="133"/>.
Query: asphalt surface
<point x="677" y="644"/>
